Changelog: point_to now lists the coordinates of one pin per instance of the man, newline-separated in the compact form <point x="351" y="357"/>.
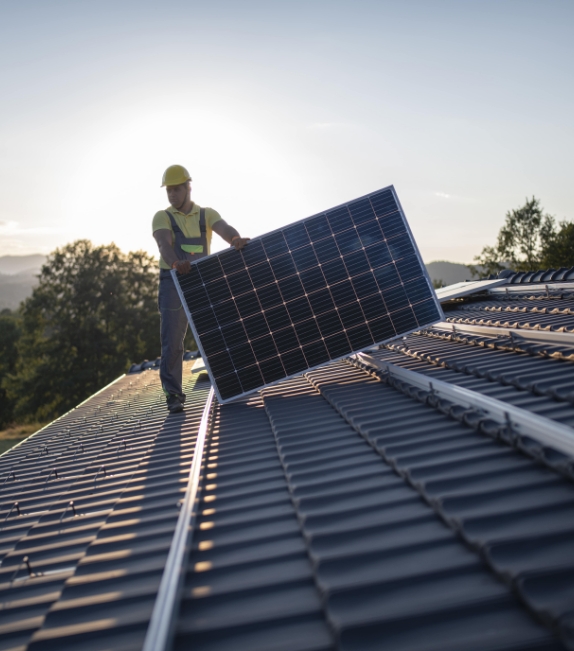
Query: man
<point x="183" y="233"/>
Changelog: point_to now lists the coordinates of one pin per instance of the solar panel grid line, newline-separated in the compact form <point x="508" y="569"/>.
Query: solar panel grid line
<point x="312" y="292"/>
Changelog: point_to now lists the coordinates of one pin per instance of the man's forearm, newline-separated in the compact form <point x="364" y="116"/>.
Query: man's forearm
<point x="228" y="233"/>
<point x="168" y="254"/>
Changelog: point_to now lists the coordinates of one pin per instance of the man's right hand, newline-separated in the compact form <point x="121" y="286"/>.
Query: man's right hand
<point x="182" y="266"/>
<point x="163" y="238"/>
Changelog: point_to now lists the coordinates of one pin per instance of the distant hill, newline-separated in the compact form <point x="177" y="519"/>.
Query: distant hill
<point x="15" y="264"/>
<point x="15" y="288"/>
<point x="449" y="272"/>
<point x="18" y="277"/>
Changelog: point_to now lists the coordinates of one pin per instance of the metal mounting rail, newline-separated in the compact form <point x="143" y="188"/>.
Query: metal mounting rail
<point x="545" y="431"/>
<point x="160" y="629"/>
<point x="545" y="336"/>
<point x="533" y="288"/>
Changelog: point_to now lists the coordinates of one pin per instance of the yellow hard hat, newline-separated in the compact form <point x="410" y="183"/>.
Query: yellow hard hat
<point x="175" y="175"/>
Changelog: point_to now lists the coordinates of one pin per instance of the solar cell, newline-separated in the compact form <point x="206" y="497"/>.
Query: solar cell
<point x="317" y="290"/>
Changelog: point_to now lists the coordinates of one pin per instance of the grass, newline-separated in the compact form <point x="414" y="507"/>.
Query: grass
<point x="16" y="433"/>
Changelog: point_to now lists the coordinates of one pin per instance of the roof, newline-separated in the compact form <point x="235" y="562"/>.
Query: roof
<point x="417" y="497"/>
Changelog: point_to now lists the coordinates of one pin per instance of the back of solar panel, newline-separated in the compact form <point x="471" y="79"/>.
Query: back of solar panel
<point x="312" y="292"/>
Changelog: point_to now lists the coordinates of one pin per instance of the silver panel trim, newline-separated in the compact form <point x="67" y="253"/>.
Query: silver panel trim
<point x="466" y="288"/>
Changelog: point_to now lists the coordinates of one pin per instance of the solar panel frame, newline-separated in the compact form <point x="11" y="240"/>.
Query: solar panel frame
<point x="467" y="287"/>
<point x="283" y="268"/>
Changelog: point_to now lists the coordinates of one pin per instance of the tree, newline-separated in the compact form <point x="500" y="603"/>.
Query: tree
<point x="525" y="234"/>
<point x="559" y="251"/>
<point x="93" y="312"/>
<point x="9" y="335"/>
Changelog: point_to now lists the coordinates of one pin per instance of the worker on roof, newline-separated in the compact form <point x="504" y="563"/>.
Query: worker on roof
<point x="183" y="234"/>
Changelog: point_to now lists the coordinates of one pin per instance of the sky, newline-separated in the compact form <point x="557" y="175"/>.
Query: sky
<point x="280" y="110"/>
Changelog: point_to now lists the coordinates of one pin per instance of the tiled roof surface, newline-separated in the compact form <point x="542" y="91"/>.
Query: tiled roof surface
<point x="346" y="509"/>
<point x="540" y="276"/>
<point x="544" y="385"/>
<point x="94" y="567"/>
<point x="524" y="311"/>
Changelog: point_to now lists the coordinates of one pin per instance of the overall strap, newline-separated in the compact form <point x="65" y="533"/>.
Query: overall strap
<point x="174" y="226"/>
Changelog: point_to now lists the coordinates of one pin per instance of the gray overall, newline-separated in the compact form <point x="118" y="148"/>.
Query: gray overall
<point x="173" y="319"/>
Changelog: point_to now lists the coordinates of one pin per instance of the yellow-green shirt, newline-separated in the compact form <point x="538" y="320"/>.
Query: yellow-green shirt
<point x="189" y="225"/>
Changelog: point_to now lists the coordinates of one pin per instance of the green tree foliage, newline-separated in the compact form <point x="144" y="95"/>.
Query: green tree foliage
<point x="559" y="250"/>
<point x="9" y="335"/>
<point x="93" y="312"/>
<point x="523" y="242"/>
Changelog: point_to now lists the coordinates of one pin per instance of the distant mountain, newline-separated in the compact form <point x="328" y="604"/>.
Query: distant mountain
<point x="15" y="288"/>
<point x="14" y="264"/>
<point x="18" y="275"/>
<point x="449" y="272"/>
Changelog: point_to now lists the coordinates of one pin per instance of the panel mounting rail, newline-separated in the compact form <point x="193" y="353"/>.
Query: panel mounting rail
<point x="525" y="423"/>
<point x="520" y="334"/>
<point x="160" y="630"/>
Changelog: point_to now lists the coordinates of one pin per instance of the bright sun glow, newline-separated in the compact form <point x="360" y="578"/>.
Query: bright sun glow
<point x="234" y="170"/>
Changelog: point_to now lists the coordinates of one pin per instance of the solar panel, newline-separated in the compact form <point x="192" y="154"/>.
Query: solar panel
<point x="312" y="292"/>
<point x="468" y="287"/>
